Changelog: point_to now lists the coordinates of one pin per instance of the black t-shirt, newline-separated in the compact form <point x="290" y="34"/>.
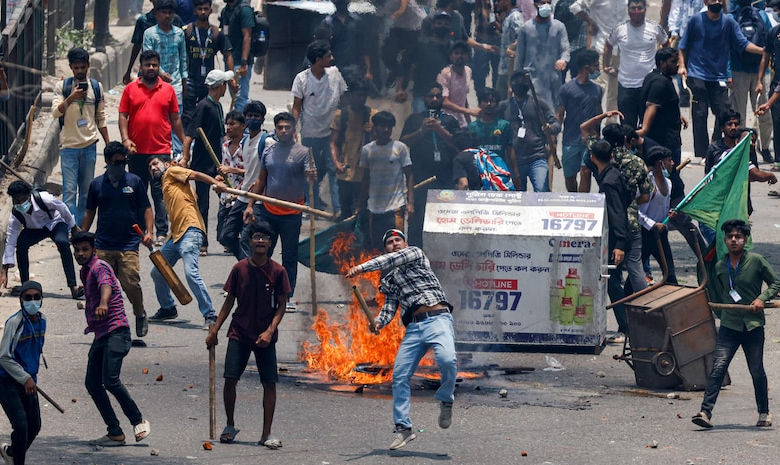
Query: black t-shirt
<point x="212" y="40"/>
<point x="422" y="151"/>
<point x="772" y="47"/>
<point x="465" y="166"/>
<point x="209" y="117"/>
<point x="659" y="90"/>
<point x="347" y="40"/>
<point x="429" y="59"/>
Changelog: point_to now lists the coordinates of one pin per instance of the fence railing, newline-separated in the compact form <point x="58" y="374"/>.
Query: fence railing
<point x="22" y="50"/>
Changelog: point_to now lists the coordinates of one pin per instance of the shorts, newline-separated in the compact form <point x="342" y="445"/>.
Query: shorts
<point x="237" y="357"/>
<point x="573" y="158"/>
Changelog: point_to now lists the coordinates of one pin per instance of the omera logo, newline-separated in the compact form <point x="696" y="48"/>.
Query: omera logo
<point x="571" y="244"/>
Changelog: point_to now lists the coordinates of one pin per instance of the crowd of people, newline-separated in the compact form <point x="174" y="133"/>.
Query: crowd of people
<point x="174" y="131"/>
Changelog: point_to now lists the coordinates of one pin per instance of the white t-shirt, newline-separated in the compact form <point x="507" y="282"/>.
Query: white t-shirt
<point x="252" y="159"/>
<point x="637" y="50"/>
<point x="320" y="100"/>
<point x="385" y="164"/>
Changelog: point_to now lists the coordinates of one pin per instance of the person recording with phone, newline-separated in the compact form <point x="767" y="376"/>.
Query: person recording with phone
<point x="79" y="104"/>
<point x="429" y="137"/>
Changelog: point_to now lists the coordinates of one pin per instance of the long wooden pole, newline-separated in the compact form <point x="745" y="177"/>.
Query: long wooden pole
<point x="51" y="401"/>
<point x="281" y="203"/>
<point x="212" y="393"/>
<point x="213" y="155"/>
<point x="312" y="248"/>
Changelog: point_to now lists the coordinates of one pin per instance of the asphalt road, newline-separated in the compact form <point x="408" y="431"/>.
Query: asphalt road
<point x="592" y="412"/>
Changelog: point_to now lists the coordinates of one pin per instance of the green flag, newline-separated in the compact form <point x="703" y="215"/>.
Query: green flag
<point x="722" y="194"/>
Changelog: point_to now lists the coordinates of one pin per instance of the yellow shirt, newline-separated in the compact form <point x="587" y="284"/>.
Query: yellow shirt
<point x="181" y="202"/>
<point x="349" y="152"/>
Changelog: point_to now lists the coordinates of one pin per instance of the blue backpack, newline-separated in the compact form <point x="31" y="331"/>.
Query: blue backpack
<point x="493" y="171"/>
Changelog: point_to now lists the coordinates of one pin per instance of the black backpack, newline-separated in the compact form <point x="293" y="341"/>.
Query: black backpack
<point x="754" y="29"/>
<point x="261" y="32"/>
<point x="571" y="21"/>
<point x="67" y="88"/>
<point x="36" y="197"/>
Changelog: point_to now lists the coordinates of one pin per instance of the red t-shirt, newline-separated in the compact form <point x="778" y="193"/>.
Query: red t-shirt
<point x="256" y="289"/>
<point x="149" y="111"/>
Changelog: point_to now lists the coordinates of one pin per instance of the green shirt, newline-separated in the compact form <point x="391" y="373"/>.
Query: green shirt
<point x="752" y="272"/>
<point x="494" y="137"/>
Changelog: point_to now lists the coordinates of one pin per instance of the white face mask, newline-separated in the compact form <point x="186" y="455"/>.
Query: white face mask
<point x="545" y="10"/>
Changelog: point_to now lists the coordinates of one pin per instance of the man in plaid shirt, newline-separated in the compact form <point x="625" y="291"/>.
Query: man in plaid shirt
<point x="106" y="317"/>
<point x="410" y="283"/>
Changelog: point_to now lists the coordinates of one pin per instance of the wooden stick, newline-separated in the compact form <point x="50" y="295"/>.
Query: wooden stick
<point x="364" y="307"/>
<point x="747" y="308"/>
<point x="11" y="170"/>
<point x="213" y="155"/>
<point x="416" y="186"/>
<point x="212" y="394"/>
<point x="312" y="248"/>
<point x="51" y="401"/>
<point x="683" y="164"/>
<point x="280" y="203"/>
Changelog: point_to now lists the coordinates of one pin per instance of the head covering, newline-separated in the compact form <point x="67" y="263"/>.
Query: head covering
<point x="393" y="233"/>
<point x="217" y="77"/>
<point x="30" y="285"/>
<point x="441" y="14"/>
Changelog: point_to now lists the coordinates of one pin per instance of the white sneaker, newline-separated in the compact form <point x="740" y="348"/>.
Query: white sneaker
<point x="402" y="438"/>
<point x="4" y="453"/>
<point x="290" y="306"/>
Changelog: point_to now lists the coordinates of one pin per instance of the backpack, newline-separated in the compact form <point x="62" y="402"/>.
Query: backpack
<point x="67" y="88"/>
<point x="754" y="29"/>
<point x="36" y="198"/>
<point x="571" y="21"/>
<point x="493" y="171"/>
<point x="261" y="32"/>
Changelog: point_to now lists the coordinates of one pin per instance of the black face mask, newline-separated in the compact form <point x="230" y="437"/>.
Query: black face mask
<point x="441" y="31"/>
<point x="520" y="91"/>
<point x="715" y="8"/>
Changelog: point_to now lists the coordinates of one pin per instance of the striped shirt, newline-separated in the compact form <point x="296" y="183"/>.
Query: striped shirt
<point x="234" y="160"/>
<point x="385" y="164"/>
<point x="94" y="275"/>
<point x="411" y="282"/>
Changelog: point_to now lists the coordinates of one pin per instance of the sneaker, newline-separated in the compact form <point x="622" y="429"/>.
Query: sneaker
<point x="5" y="452"/>
<point x="445" y="415"/>
<point x="164" y="314"/>
<point x="764" y="419"/>
<point x="208" y="322"/>
<point x="703" y="420"/>
<point x="290" y="306"/>
<point x="141" y="325"/>
<point x="402" y="437"/>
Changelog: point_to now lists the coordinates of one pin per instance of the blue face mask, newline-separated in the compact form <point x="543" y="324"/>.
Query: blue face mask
<point x="32" y="306"/>
<point x="253" y="124"/>
<point x="666" y="173"/>
<point x="23" y="207"/>
<point x="594" y="75"/>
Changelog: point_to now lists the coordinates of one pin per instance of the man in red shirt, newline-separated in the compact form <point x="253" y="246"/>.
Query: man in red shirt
<point x="146" y="130"/>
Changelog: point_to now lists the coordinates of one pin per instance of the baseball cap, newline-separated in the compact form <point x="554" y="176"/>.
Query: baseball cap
<point x="217" y="77"/>
<point x="30" y="285"/>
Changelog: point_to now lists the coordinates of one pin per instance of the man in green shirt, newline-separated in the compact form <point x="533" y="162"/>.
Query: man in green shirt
<point x="737" y="279"/>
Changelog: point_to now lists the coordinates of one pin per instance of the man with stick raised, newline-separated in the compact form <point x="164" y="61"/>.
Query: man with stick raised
<point x="261" y="286"/>
<point x="284" y="169"/>
<point x="187" y="234"/>
<point x="20" y="354"/>
<point x="410" y="283"/>
<point x="208" y="115"/>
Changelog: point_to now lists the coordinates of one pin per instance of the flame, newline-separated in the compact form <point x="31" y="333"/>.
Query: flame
<point x="345" y="345"/>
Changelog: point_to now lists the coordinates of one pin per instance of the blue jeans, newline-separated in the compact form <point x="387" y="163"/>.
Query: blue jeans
<point x="320" y="147"/>
<point x="176" y="144"/>
<point x="288" y="230"/>
<point x="24" y="414"/>
<point x="243" y="88"/>
<point x="615" y="292"/>
<point x="78" y="170"/>
<point x="438" y="332"/>
<point x="188" y="249"/>
<point x="104" y="365"/>
<point x="726" y="346"/>
<point x="536" y="171"/>
<point x="633" y="264"/>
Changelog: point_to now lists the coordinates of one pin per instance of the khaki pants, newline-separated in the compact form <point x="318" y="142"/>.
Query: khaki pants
<point x="609" y="84"/>
<point x="744" y="85"/>
<point x="127" y="267"/>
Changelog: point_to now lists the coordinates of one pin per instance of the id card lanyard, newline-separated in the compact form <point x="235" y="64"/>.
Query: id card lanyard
<point x="203" y="46"/>
<point x="733" y="292"/>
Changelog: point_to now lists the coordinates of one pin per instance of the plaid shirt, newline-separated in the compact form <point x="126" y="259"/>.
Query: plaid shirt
<point x="411" y="282"/>
<point x="94" y="275"/>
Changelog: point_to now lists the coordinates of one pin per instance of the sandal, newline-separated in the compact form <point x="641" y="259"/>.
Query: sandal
<point x="228" y="434"/>
<point x="142" y="430"/>
<point x="106" y="441"/>
<point x="159" y="241"/>
<point x="702" y="419"/>
<point x="204" y="251"/>
<point x="773" y="194"/>
<point x="270" y="442"/>
<point x="764" y="420"/>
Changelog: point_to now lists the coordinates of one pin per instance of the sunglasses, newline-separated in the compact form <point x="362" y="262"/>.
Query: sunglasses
<point x="30" y="297"/>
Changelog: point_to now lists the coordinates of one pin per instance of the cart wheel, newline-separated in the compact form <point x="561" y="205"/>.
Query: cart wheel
<point x="664" y="363"/>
